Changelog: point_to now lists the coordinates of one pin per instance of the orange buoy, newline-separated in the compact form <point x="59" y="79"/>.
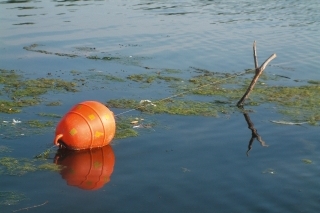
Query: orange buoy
<point x="86" y="169"/>
<point x="87" y="125"/>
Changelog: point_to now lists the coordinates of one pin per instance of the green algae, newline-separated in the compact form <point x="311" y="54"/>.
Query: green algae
<point x="54" y="103"/>
<point x="150" y="78"/>
<point x="33" y="47"/>
<point x="144" y="78"/>
<point x="51" y="115"/>
<point x="50" y="167"/>
<point x="301" y="103"/>
<point x="10" y="198"/>
<point x="170" y="106"/>
<point x="313" y="82"/>
<point x="129" y="126"/>
<point x="18" y="92"/>
<point x="40" y="124"/>
<point x="15" y="128"/>
<point x="125" y="133"/>
<point x="124" y="128"/>
<point x="93" y="57"/>
<point x="14" y="166"/>
<point x="306" y="161"/>
<point x="109" y="58"/>
<point x="105" y="77"/>
<point x="172" y="71"/>
<point x="4" y="149"/>
<point x="21" y="166"/>
<point x="128" y="60"/>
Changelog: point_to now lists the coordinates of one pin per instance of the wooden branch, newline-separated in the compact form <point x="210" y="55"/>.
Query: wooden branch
<point x="255" y="56"/>
<point x="256" y="76"/>
<point x="263" y="66"/>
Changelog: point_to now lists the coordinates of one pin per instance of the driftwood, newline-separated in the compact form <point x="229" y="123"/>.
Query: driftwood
<point x="258" y="72"/>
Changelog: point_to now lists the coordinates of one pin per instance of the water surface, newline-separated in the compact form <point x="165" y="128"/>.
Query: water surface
<point x="185" y="163"/>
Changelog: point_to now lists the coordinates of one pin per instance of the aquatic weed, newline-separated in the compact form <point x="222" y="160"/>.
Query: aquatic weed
<point x="174" y="107"/>
<point x="10" y="197"/>
<point x="21" y="92"/>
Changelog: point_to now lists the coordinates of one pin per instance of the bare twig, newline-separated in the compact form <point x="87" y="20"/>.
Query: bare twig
<point x="255" y="56"/>
<point x="257" y="74"/>
<point x="31" y="207"/>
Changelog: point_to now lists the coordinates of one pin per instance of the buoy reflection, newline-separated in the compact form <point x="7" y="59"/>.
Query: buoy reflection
<point x="86" y="169"/>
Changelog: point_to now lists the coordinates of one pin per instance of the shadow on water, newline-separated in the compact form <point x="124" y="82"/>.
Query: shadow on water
<point x="87" y="169"/>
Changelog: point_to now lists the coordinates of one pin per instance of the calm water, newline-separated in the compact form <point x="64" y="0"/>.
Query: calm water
<point x="186" y="163"/>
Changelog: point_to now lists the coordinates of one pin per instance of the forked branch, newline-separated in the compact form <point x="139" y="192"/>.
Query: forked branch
<point x="258" y="72"/>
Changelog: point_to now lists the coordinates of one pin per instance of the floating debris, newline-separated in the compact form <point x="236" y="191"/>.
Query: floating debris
<point x="15" y="121"/>
<point x="185" y="169"/>
<point x="269" y="171"/>
<point x="306" y="161"/>
<point x="288" y="123"/>
<point x="134" y="122"/>
<point x="147" y="103"/>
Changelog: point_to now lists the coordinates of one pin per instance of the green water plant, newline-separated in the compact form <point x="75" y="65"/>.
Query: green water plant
<point x="170" y="106"/>
<point x="51" y="115"/>
<point x="18" y="92"/>
<point x="10" y="198"/>
<point x="150" y="78"/>
<point x="124" y="128"/>
<point x="21" y="166"/>
<point x="306" y="161"/>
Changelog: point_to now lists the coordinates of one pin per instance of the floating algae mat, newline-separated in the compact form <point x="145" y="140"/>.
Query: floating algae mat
<point x="18" y="167"/>
<point x="300" y="103"/>
<point x="171" y="106"/>
<point x="10" y="198"/>
<point x="203" y="93"/>
<point x="16" y="128"/>
<point x="127" y="126"/>
<point x="17" y="91"/>
<point x="128" y="60"/>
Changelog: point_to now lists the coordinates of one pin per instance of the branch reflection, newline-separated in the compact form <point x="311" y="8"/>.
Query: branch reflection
<point x="254" y="134"/>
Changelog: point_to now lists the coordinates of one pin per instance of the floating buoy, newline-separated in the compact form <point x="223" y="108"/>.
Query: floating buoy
<point x="87" y="125"/>
<point x="88" y="169"/>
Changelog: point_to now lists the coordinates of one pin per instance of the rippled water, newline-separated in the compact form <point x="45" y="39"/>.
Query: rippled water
<point x="187" y="163"/>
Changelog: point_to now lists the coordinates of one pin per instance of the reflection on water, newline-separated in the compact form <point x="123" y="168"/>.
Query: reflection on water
<point x="254" y="133"/>
<point x="86" y="169"/>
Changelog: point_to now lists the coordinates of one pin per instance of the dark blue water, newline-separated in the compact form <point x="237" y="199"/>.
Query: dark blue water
<point x="185" y="163"/>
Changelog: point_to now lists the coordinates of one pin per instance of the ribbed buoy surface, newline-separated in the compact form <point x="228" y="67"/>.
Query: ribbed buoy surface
<point x="87" y="125"/>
